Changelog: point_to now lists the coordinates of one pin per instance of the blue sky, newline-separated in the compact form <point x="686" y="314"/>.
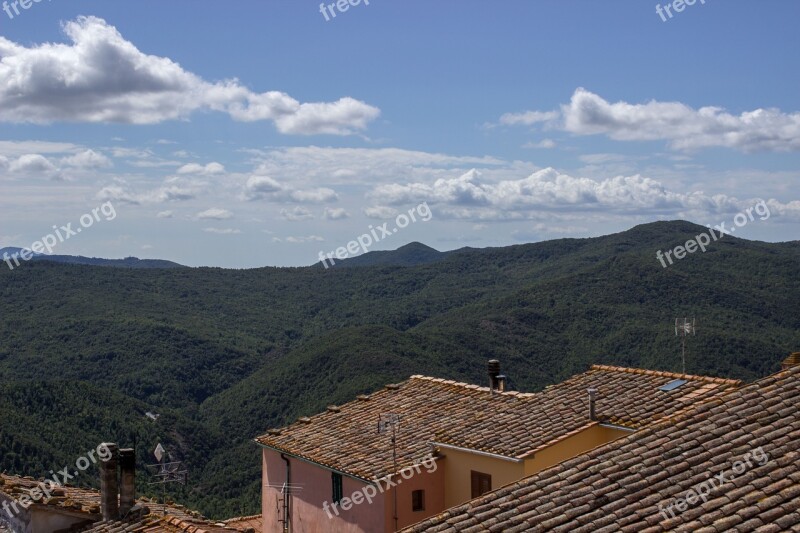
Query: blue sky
<point x="248" y="133"/>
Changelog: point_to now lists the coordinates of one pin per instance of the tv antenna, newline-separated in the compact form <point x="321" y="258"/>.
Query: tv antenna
<point x="390" y="423"/>
<point x="683" y="328"/>
<point x="165" y="472"/>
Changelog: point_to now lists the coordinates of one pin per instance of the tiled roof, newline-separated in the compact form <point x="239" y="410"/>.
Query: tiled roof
<point x="620" y="486"/>
<point x="66" y="497"/>
<point x="511" y="424"/>
<point x="245" y="523"/>
<point x="792" y="360"/>
<point x="147" y="516"/>
<point x="145" y="520"/>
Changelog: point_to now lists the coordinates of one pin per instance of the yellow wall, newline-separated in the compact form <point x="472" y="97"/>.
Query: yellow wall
<point x="572" y="446"/>
<point x="458" y="482"/>
<point x="457" y="479"/>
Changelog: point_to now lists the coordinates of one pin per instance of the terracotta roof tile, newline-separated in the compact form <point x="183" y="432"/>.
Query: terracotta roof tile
<point x="510" y="424"/>
<point x="655" y="466"/>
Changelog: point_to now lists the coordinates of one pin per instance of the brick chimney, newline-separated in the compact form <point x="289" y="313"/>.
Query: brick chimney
<point x="109" y="488"/>
<point x="127" y="478"/>
<point x="792" y="360"/>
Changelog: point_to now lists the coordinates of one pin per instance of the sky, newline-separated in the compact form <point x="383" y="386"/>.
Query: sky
<point x="263" y="133"/>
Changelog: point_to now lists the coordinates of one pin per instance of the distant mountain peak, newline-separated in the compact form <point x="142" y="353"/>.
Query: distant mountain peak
<point x="411" y="254"/>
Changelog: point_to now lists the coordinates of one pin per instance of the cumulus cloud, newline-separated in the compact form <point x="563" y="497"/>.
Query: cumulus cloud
<point x="259" y="187"/>
<point x="301" y="240"/>
<point x="335" y="213"/>
<point x="165" y="214"/>
<point x="314" y="196"/>
<point x="380" y="212"/>
<point x="297" y="214"/>
<point x="214" y="213"/>
<point x="88" y="159"/>
<point x="173" y="190"/>
<point x="472" y="197"/>
<point x="210" y="169"/>
<point x="528" y="118"/>
<point x="222" y="231"/>
<point x="32" y="164"/>
<point x="102" y="77"/>
<point x="544" y="144"/>
<point x="683" y="127"/>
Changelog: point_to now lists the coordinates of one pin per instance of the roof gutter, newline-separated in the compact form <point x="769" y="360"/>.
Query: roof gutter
<point x="476" y="452"/>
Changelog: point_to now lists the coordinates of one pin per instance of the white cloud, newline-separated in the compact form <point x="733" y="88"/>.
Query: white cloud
<point x="380" y="212"/>
<point x="131" y="153"/>
<point x="87" y="159"/>
<point x="214" y="213"/>
<point x="528" y="118"/>
<point x="18" y="148"/>
<point x="297" y="214"/>
<point x="102" y="77"/>
<point x="210" y="169"/>
<point x="311" y="166"/>
<point x="222" y="231"/>
<point x="300" y="240"/>
<point x="544" y="144"/>
<point x="165" y="214"/>
<point x="683" y="127"/>
<point x="470" y="196"/>
<point x="174" y="189"/>
<point x="314" y="196"/>
<point x="335" y="213"/>
<point x="462" y="191"/>
<point x="260" y="187"/>
<point x="32" y="164"/>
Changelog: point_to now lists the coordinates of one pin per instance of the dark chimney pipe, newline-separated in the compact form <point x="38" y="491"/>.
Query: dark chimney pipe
<point x="127" y="485"/>
<point x="592" y="398"/>
<point x="109" y="488"/>
<point x="494" y="371"/>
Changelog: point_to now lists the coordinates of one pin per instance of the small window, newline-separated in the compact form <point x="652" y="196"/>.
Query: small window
<point x="417" y="500"/>
<point x="338" y="492"/>
<point x="481" y="483"/>
<point x="672" y="385"/>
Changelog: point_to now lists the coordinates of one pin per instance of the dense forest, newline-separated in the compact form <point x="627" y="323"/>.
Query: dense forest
<point x="223" y="355"/>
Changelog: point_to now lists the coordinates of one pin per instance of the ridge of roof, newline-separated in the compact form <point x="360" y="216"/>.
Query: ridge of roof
<point x="674" y="375"/>
<point x="470" y="386"/>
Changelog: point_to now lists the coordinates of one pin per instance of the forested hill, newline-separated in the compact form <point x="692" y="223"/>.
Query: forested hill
<point x="223" y="355"/>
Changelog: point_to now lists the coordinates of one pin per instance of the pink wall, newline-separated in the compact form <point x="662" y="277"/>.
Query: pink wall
<point x="433" y="485"/>
<point x="306" y="512"/>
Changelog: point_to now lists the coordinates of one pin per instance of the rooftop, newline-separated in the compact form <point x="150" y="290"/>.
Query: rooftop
<point x="436" y="410"/>
<point x="620" y="486"/>
<point x="147" y="516"/>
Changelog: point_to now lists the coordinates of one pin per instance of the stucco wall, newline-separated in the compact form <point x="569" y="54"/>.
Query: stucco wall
<point x="430" y="479"/>
<point x="313" y="488"/>
<point x="571" y="447"/>
<point x="457" y="478"/>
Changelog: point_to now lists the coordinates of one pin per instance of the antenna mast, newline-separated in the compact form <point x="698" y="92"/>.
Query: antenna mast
<point x="683" y="328"/>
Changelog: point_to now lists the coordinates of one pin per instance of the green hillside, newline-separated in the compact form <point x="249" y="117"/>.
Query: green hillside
<point x="224" y="355"/>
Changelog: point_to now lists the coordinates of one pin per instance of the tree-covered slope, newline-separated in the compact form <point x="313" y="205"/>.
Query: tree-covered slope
<point x="228" y="354"/>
